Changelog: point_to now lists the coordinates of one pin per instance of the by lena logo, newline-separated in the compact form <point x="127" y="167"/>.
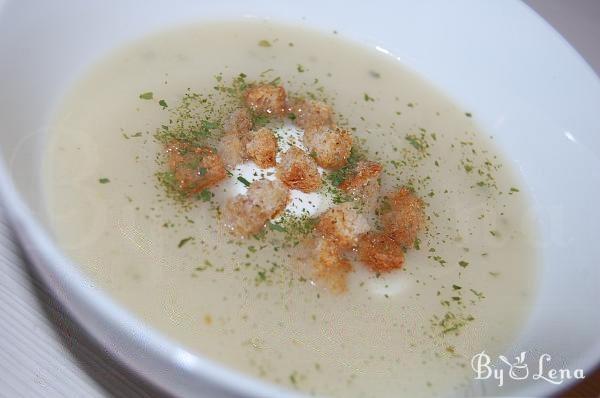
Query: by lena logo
<point x="518" y="369"/>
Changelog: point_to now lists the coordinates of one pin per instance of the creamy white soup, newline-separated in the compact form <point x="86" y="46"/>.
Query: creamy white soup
<point x="406" y="323"/>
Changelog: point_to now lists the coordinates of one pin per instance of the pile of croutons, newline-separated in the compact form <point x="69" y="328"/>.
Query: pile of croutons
<point x="341" y="230"/>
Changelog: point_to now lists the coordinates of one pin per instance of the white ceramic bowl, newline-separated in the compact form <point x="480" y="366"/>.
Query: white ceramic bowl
<point x="500" y="60"/>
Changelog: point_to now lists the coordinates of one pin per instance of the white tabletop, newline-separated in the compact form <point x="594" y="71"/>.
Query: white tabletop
<point x="43" y="353"/>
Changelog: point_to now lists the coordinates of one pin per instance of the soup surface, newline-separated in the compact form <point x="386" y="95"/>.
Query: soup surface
<point x="466" y="285"/>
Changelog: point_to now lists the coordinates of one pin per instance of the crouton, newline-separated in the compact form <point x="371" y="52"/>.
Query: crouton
<point x="330" y="147"/>
<point x="259" y="146"/>
<point x="194" y="168"/>
<point x="363" y="184"/>
<point x="380" y="252"/>
<point x="266" y="99"/>
<point x="239" y="122"/>
<point x="262" y="147"/>
<point x="404" y="217"/>
<point x="246" y="215"/>
<point x="312" y="115"/>
<point x="297" y="170"/>
<point x="330" y="266"/>
<point x="342" y="224"/>
<point x="232" y="146"/>
<point x="364" y="172"/>
<point x="242" y="217"/>
<point x="270" y="195"/>
<point x="232" y="149"/>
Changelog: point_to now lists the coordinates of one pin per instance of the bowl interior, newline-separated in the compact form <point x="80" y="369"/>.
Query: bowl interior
<point x="524" y="85"/>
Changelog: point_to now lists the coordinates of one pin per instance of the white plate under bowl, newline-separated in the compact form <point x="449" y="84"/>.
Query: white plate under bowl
<point x="521" y="80"/>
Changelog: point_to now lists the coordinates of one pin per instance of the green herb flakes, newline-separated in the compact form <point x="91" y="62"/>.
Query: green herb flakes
<point x="243" y="181"/>
<point x="184" y="241"/>
<point x="260" y="121"/>
<point x="205" y="195"/>
<point x="276" y="227"/>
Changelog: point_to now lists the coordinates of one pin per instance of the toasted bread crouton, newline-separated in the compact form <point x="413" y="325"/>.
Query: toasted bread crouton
<point x="312" y="115"/>
<point x="232" y="149"/>
<point x="232" y="146"/>
<point x="330" y="147"/>
<point x="246" y="215"/>
<point x="330" y="266"/>
<point x="262" y="147"/>
<point x="404" y="218"/>
<point x="239" y="122"/>
<point x="342" y="224"/>
<point x="380" y="252"/>
<point x="364" y="172"/>
<point x="363" y="184"/>
<point x="270" y="195"/>
<point x="266" y="99"/>
<point x="194" y="168"/>
<point x="242" y="217"/>
<point x="297" y="170"/>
